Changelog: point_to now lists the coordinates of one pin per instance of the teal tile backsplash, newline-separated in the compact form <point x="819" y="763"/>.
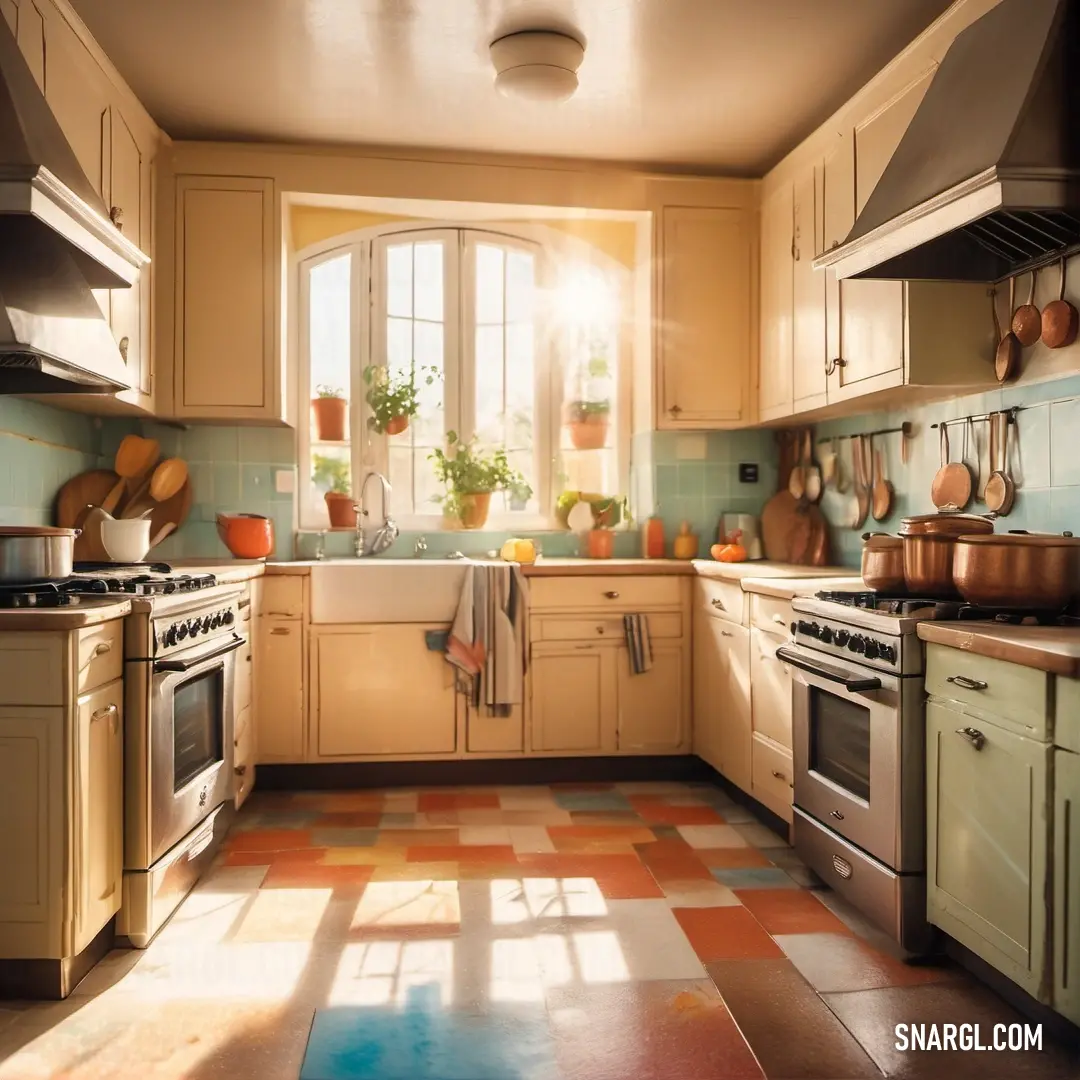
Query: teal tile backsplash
<point x="1044" y="456"/>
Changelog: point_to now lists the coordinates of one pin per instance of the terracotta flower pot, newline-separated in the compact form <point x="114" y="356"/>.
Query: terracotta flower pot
<point x="590" y="433"/>
<point x="341" y="510"/>
<point x="601" y="543"/>
<point x="397" y="425"/>
<point x="331" y="414"/>
<point x="474" y="510"/>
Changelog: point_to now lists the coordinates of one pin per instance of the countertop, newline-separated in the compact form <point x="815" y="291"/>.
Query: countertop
<point x="788" y="588"/>
<point x="227" y="572"/>
<point x="759" y="568"/>
<point x="89" y="611"/>
<point x="1055" y="649"/>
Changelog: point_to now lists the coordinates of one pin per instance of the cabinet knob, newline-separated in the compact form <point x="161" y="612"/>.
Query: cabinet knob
<point x="973" y="736"/>
<point x="124" y="345"/>
<point x="116" y="216"/>
<point x="675" y="410"/>
<point x="599" y="629"/>
<point x="832" y="365"/>
<point x="611" y="594"/>
<point x="240" y="770"/>
<point x="726" y="633"/>
<point x="778" y="774"/>
<point x="719" y="605"/>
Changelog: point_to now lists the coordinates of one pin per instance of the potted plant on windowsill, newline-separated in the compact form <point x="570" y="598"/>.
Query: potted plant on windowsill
<point x="471" y="475"/>
<point x="331" y="476"/>
<point x="607" y="512"/>
<point x="587" y="422"/>
<point x="393" y="399"/>
<point x="331" y="408"/>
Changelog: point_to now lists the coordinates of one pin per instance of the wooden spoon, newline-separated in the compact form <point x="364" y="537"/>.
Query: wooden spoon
<point x="862" y="489"/>
<point x="1059" y="318"/>
<point x="165" y="481"/>
<point x="135" y="456"/>
<point x="1026" y="320"/>
<point x="797" y="479"/>
<point x="811" y="474"/>
<point x="1000" y="490"/>
<point x="883" y="490"/>
<point x="1007" y="356"/>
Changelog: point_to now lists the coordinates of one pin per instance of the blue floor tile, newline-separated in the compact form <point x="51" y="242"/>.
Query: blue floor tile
<point x="754" y="877"/>
<point x="421" y="1043"/>
<point x="592" y="800"/>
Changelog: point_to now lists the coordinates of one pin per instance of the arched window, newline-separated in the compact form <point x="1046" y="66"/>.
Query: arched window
<point x="508" y="336"/>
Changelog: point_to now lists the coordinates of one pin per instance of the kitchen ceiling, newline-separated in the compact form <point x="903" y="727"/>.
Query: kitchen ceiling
<point x="717" y="84"/>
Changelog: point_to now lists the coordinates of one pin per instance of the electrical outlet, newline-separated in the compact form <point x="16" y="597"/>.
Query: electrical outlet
<point x="748" y="472"/>
<point x="284" y="481"/>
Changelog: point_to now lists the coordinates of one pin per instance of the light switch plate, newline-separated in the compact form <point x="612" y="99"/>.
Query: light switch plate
<point x="284" y="481"/>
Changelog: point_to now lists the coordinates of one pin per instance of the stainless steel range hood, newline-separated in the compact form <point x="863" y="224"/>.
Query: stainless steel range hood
<point x="56" y="244"/>
<point x="986" y="180"/>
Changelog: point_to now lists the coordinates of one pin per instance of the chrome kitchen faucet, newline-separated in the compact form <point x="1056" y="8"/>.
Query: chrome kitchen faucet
<point x="386" y="533"/>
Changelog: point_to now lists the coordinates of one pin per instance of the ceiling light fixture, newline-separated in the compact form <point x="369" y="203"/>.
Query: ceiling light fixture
<point x="537" y="65"/>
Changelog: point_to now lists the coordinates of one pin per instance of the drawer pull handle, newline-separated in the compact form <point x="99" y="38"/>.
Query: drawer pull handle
<point x="280" y="614"/>
<point x="779" y="619"/>
<point x="726" y="633"/>
<point x="836" y="814"/>
<point x="599" y="629"/>
<point x="973" y="736"/>
<point x="240" y="770"/>
<point x="102" y="647"/>
<point x="243" y="604"/>
<point x="719" y="605"/>
<point x="611" y="594"/>
<point x="778" y="774"/>
<point x="280" y="630"/>
<point x="966" y="683"/>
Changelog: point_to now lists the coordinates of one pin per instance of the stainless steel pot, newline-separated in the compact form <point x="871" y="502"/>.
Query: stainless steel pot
<point x="883" y="562"/>
<point x="35" y="553"/>
<point x="1018" y="570"/>
<point x="929" y="543"/>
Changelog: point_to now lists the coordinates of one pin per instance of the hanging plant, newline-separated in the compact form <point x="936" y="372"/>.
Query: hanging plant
<point x="393" y="399"/>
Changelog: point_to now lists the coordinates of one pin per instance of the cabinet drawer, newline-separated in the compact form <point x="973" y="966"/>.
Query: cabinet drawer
<point x="1016" y="695"/>
<point x="32" y="668"/>
<point x="617" y="593"/>
<point x="283" y="596"/>
<point x="724" y="599"/>
<point x="771" y="614"/>
<point x="100" y="654"/>
<point x="770" y="688"/>
<point x="242" y="685"/>
<point x="243" y="758"/>
<point x="666" y="624"/>
<point x="1067" y="715"/>
<point x="772" y="776"/>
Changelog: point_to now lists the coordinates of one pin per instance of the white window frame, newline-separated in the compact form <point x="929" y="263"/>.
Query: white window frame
<point x="368" y="451"/>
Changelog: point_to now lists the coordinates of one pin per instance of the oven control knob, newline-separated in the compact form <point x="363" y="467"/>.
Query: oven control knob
<point x="228" y="618"/>
<point x="826" y="634"/>
<point x="871" y="649"/>
<point x="181" y="630"/>
<point x="887" y="652"/>
<point x="194" y="626"/>
<point x="842" y="638"/>
<point x="215" y="620"/>
<point x="169" y="637"/>
<point x="207" y="624"/>
<point x="794" y="628"/>
<point x="857" y="644"/>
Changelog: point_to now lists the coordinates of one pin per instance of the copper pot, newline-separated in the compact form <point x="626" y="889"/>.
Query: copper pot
<point x="929" y="543"/>
<point x="1018" y="570"/>
<point x="883" y="562"/>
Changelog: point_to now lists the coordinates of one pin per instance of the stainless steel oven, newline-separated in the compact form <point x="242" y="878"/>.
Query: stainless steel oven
<point x="857" y="750"/>
<point x="180" y="656"/>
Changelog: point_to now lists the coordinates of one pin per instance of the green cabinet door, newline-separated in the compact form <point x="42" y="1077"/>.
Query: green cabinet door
<point x="987" y="835"/>
<point x="1067" y="884"/>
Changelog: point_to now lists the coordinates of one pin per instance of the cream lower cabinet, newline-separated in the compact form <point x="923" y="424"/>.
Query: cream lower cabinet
<point x="279" y="699"/>
<point x="654" y="706"/>
<point x="379" y="690"/>
<point x="988" y="832"/>
<point x="770" y="700"/>
<point x="722" y="724"/>
<point x="574" y="701"/>
<point x="1066" y="868"/>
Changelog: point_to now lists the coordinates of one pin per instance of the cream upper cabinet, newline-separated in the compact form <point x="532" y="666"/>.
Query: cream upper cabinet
<point x="381" y="691"/>
<point x="724" y="717"/>
<point x="99" y="810"/>
<point x="574" y="698"/>
<point x="706" y="335"/>
<point x="279" y="690"/>
<point x="777" y="281"/>
<point x="1066" y="867"/>
<point x="808" y="291"/>
<point x="226" y="338"/>
<point x="654" y="705"/>
<point x="987" y="838"/>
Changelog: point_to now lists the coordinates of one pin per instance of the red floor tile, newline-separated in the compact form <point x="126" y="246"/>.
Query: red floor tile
<point x="656" y="812"/>
<point x="726" y="933"/>
<point x="442" y="800"/>
<point x="349" y="819"/>
<point x="790" y="911"/>
<point x="678" y="868"/>
<point x="269" y="840"/>
<point x="291" y="857"/>
<point x="299" y="876"/>
<point x="335" y="802"/>
<point x="619" y="877"/>
<point x="462" y="853"/>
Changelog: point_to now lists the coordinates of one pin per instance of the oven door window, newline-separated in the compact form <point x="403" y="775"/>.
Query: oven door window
<point x="840" y="741"/>
<point x="197" y="725"/>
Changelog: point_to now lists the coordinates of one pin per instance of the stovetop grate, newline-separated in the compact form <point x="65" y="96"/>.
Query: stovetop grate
<point x="927" y="608"/>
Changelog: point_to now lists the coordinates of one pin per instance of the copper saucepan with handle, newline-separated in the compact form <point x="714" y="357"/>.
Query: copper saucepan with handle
<point x="883" y="562"/>
<point x="1018" y="570"/>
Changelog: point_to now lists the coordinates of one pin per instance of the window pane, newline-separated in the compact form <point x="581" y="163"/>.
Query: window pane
<point x="489" y="383"/>
<point x="329" y="319"/>
<point x="520" y="373"/>
<point x="399" y="276"/>
<point x="429" y="282"/>
<point x="399" y="345"/>
<point x="330" y="471"/>
<point x="489" y="284"/>
<point x="525" y="462"/>
<point x="520" y="285"/>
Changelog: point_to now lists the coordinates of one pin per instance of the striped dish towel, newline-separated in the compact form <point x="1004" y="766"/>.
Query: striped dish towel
<point x="638" y="642"/>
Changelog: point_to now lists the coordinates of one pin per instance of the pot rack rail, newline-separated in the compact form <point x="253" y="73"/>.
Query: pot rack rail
<point x="981" y="418"/>
<point x="906" y="429"/>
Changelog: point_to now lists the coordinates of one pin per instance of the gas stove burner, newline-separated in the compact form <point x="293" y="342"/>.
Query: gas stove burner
<point x="114" y="567"/>
<point x="45" y="594"/>
<point x="886" y="604"/>
<point x="136" y="579"/>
